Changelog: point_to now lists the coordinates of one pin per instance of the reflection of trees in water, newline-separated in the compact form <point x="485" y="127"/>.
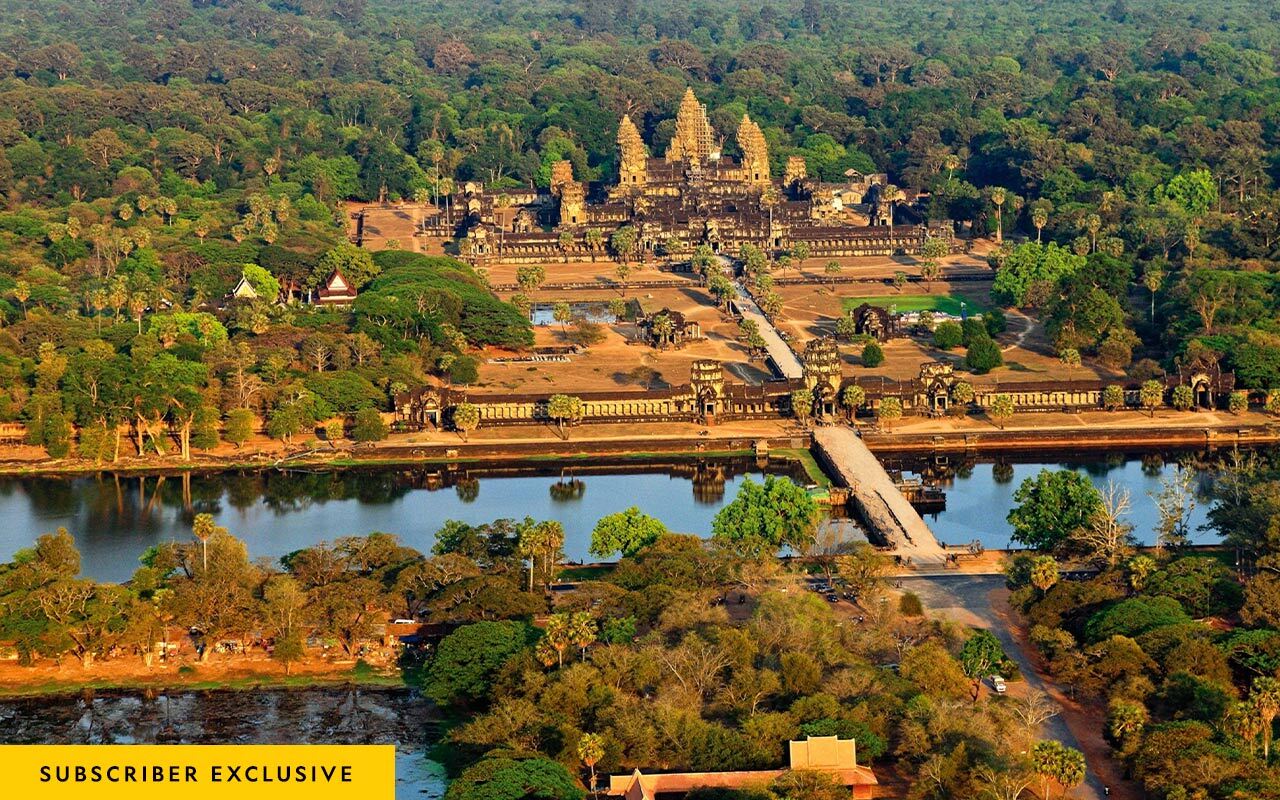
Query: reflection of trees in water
<point x="1002" y="472"/>
<point x="285" y="492"/>
<point x="1099" y="467"/>
<point x="242" y="489"/>
<point x="468" y="489"/>
<point x="1152" y="465"/>
<point x="708" y="483"/>
<point x="563" y="490"/>
<point x="53" y="496"/>
<point x="268" y="716"/>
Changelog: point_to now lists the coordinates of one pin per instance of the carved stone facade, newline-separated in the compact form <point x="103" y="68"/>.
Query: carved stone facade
<point x="875" y="321"/>
<point x="694" y="141"/>
<point x="821" y="362"/>
<point x="667" y="328"/>
<point x="709" y="398"/>
<point x="755" y="152"/>
<point x="691" y="196"/>
<point x="632" y="155"/>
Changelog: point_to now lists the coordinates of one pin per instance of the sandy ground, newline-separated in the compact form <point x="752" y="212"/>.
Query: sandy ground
<point x="883" y="267"/>
<point x="603" y="272"/>
<point x="622" y="362"/>
<point x="811" y="310"/>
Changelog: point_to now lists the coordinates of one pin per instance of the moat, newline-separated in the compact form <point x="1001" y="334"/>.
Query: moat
<point x="115" y="518"/>
<point x="263" y="716"/>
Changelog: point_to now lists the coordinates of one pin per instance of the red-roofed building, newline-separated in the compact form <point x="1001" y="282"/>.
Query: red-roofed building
<point x="337" y="291"/>
<point x="837" y="757"/>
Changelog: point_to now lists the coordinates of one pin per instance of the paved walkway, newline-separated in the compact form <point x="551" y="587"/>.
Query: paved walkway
<point x="883" y="506"/>
<point x="784" y="358"/>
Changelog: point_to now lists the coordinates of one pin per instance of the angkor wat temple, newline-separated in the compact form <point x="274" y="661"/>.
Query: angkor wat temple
<point x="692" y="195"/>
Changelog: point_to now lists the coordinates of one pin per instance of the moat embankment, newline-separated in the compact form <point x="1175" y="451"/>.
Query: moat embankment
<point x="1093" y="437"/>
<point x="586" y="444"/>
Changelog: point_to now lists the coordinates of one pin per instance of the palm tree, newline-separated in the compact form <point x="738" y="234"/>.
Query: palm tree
<point x="582" y="631"/>
<point x="1153" y="278"/>
<point x="1125" y="719"/>
<point x="998" y="196"/>
<point x="1044" y="573"/>
<point x="664" y="329"/>
<point x="1039" y="218"/>
<point x="545" y="542"/>
<point x="1093" y="224"/>
<point x="1264" y="697"/>
<point x="891" y="194"/>
<point x="557" y="635"/>
<point x="595" y="241"/>
<point x="590" y="751"/>
<point x="202" y="528"/>
<point x="952" y="163"/>
<point x="853" y="397"/>
<point x="565" y="240"/>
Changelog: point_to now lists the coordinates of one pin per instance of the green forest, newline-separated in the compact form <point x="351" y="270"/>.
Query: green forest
<point x="1181" y="648"/>
<point x="154" y="153"/>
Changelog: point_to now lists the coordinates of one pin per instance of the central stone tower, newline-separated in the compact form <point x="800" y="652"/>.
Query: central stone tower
<point x="694" y="141"/>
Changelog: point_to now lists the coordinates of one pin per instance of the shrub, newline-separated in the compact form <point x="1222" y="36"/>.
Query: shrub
<point x="1113" y="397"/>
<point x="872" y="355"/>
<point x="467" y="660"/>
<point x="239" y="427"/>
<point x="909" y="605"/>
<point x="889" y="410"/>
<point x="947" y="335"/>
<point x="1134" y="616"/>
<point x="1238" y="402"/>
<point x="369" y="426"/>
<point x="57" y="436"/>
<point x="971" y="330"/>
<point x="464" y="370"/>
<point x="1182" y="398"/>
<point x="995" y="322"/>
<point x="983" y="356"/>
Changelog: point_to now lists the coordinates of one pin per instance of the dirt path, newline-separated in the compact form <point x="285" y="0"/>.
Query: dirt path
<point x="1086" y="721"/>
<point x="981" y="601"/>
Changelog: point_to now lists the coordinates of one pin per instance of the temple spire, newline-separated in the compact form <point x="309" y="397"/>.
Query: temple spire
<point x="755" y="151"/>
<point x="632" y="154"/>
<point x="694" y="140"/>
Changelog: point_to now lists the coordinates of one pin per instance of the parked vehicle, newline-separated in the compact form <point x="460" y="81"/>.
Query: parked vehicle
<point x="997" y="683"/>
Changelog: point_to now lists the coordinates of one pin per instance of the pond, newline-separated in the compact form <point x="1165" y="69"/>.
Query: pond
<point x="263" y="716"/>
<point x="980" y="491"/>
<point x="115" y="518"/>
<point x="589" y="310"/>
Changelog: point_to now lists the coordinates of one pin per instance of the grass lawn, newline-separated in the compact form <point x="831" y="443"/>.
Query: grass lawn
<point x="945" y="303"/>
<point x="810" y="464"/>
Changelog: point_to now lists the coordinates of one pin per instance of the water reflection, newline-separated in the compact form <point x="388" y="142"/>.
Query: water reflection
<point x="978" y="501"/>
<point x="115" y="518"/>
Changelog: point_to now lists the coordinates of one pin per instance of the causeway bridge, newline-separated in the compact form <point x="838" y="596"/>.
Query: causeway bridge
<point x="884" y="509"/>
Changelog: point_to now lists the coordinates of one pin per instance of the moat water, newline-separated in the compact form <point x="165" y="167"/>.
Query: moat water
<point x="115" y="518"/>
<point x="263" y="716"/>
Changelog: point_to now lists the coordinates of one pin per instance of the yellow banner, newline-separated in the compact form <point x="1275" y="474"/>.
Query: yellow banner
<point x="199" y="772"/>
